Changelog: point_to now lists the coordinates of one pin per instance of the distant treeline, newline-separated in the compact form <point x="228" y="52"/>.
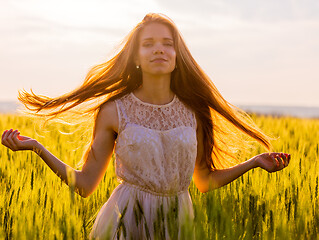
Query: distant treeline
<point x="293" y="111"/>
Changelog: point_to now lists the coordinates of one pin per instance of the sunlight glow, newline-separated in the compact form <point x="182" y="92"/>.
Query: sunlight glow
<point x="240" y="45"/>
<point x="86" y="13"/>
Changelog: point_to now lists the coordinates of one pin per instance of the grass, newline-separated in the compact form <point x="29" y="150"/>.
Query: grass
<point x="35" y="204"/>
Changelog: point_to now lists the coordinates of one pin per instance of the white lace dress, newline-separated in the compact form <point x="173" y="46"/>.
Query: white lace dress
<point x="155" y="156"/>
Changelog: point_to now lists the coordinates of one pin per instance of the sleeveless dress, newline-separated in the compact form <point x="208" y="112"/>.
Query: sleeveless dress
<point x="155" y="155"/>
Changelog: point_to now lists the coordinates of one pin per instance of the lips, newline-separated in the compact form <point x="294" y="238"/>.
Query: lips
<point x="158" y="60"/>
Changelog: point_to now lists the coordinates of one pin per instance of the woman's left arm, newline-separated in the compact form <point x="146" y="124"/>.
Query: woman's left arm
<point x="206" y="179"/>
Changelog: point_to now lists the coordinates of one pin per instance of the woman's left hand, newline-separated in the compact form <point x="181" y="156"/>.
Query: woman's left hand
<point x="272" y="162"/>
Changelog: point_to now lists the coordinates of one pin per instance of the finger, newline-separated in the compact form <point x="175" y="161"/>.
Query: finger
<point x="5" y="139"/>
<point x="12" y="133"/>
<point x="15" y="138"/>
<point x="3" y="134"/>
<point x="18" y="144"/>
<point x="284" y="159"/>
<point x="280" y="161"/>
<point x="288" y="157"/>
<point x="9" y="136"/>
<point x="18" y="136"/>
<point x="275" y="162"/>
<point x="12" y="145"/>
<point x="7" y="133"/>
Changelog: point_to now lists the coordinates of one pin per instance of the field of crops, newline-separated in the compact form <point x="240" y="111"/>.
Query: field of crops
<point x="35" y="204"/>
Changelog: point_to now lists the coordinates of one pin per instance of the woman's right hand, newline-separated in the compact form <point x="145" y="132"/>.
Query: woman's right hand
<point x="12" y="140"/>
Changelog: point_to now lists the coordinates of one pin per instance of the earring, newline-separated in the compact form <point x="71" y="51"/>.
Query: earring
<point x="137" y="66"/>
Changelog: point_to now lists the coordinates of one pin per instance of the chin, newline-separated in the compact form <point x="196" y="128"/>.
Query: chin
<point x="161" y="71"/>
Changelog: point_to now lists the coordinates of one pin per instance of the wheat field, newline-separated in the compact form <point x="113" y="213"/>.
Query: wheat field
<point x="35" y="204"/>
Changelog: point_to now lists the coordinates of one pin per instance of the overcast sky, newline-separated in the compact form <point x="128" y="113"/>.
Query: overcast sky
<point x="256" y="52"/>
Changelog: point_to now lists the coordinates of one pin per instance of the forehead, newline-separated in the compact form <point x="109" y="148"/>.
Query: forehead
<point x="156" y="31"/>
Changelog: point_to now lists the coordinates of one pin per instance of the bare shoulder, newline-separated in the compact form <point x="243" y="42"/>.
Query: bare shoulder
<point x="107" y="117"/>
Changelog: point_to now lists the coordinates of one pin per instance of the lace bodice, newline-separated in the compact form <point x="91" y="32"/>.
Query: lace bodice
<point x="156" y="145"/>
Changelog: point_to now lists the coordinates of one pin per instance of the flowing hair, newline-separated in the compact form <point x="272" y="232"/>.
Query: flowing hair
<point x="119" y="76"/>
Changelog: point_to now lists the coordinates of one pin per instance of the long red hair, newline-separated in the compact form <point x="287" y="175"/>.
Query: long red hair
<point x="119" y="76"/>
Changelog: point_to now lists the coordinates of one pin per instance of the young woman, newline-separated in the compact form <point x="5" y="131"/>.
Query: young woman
<point x="162" y="117"/>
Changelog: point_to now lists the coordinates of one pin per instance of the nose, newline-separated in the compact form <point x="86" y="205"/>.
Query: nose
<point x="158" y="51"/>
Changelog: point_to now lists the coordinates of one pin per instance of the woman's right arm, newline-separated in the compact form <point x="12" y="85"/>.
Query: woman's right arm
<point x="86" y="180"/>
<point x="207" y="179"/>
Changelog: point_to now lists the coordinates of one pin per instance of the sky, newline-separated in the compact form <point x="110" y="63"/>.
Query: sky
<point x="256" y="52"/>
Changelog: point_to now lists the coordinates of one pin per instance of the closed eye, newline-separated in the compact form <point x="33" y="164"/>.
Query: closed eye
<point x="147" y="44"/>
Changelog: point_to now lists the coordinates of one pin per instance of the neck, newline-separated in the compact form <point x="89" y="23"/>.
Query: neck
<point x="155" y="89"/>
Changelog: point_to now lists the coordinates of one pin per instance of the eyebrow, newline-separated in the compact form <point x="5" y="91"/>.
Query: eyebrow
<point x="149" y="39"/>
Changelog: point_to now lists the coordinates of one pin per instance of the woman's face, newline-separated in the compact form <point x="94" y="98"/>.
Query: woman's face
<point x="156" y="53"/>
